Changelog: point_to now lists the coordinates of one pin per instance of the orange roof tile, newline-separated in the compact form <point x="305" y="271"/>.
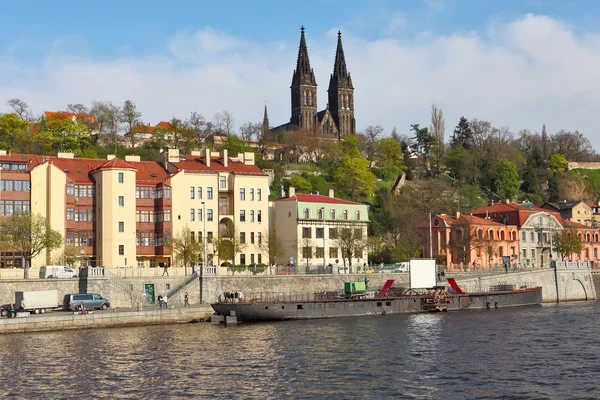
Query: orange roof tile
<point x="62" y="114"/>
<point x="196" y="164"/>
<point x="116" y="163"/>
<point x="316" y="198"/>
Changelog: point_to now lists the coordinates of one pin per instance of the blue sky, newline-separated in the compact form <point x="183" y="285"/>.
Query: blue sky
<point x="516" y="63"/>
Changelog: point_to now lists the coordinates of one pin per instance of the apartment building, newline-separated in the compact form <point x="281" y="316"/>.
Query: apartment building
<point x="310" y="226"/>
<point x="123" y="213"/>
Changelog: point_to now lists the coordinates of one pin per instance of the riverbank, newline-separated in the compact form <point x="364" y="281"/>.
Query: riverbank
<point x="57" y="321"/>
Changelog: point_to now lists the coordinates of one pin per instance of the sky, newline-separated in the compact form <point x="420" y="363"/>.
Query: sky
<point x="519" y="64"/>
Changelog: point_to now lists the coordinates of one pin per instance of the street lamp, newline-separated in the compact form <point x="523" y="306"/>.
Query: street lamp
<point x="324" y="259"/>
<point x="430" y="238"/>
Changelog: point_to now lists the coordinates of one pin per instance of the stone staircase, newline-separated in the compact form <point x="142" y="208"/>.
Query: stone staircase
<point x="118" y="283"/>
<point x="172" y="294"/>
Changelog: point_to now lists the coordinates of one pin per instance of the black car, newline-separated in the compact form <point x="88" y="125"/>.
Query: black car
<point x="4" y="309"/>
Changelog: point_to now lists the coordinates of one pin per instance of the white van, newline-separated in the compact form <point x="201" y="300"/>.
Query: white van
<point x="57" y="271"/>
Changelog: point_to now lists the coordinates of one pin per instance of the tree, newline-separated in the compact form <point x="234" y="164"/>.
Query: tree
<point x="224" y="122"/>
<point x="13" y="130"/>
<point x="390" y="158"/>
<point x="351" y="240"/>
<point x="438" y="130"/>
<point x="354" y="179"/>
<point x="425" y="143"/>
<point x="68" y="256"/>
<point x="67" y="133"/>
<point x="557" y="163"/>
<point x="229" y="245"/>
<point x="131" y="117"/>
<point x="466" y="238"/>
<point x="463" y="135"/>
<point x="505" y="180"/>
<point x="28" y="234"/>
<point x="250" y="130"/>
<point x="369" y="140"/>
<point x="20" y="108"/>
<point x="566" y="242"/>
<point x="197" y="123"/>
<point x="301" y="184"/>
<point x="185" y="248"/>
<point x="234" y="145"/>
<point x="271" y="246"/>
<point x="108" y="118"/>
<point x="307" y="247"/>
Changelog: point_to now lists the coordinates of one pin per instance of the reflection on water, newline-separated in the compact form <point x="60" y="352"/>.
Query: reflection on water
<point x="539" y="352"/>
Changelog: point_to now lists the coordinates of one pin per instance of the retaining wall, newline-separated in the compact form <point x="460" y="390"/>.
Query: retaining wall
<point x="66" y="321"/>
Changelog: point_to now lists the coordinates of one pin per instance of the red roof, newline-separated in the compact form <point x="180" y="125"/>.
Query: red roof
<point x="32" y="159"/>
<point x="576" y="225"/>
<point x="77" y="169"/>
<point x="164" y="125"/>
<point x="143" y="129"/>
<point x="515" y="213"/>
<point x="316" y="198"/>
<point x="195" y="163"/>
<point x="116" y="163"/>
<point x="62" y="115"/>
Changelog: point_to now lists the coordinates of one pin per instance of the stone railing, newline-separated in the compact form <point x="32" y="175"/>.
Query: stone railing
<point x="209" y="271"/>
<point x="141" y="272"/>
<point x="572" y="264"/>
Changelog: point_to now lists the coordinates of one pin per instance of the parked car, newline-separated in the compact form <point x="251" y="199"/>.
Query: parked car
<point x="368" y="270"/>
<point x="386" y="271"/>
<point x="90" y="300"/>
<point x="4" y="310"/>
<point x="402" y="267"/>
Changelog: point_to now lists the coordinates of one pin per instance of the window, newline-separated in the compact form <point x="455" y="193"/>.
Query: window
<point x="251" y="237"/>
<point x="209" y="215"/>
<point x="209" y="237"/>
<point x="321" y="213"/>
<point x="532" y="236"/>
<point x="332" y="214"/>
<point x="358" y="215"/>
<point x="242" y="259"/>
<point x="307" y="252"/>
<point x="242" y="215"/>
<point x="251" y="215"/>
<point x="319" y="252"/>
<point x="251" y="194"/>
<point x="192" y="192"/>
<point x="258" y="197"/>
<point x="121" y="250"/>
<point x="259" y="239"/>
<point x="258" y="216"/>
<point x="532" y="253"/>
<point x="199" y="214"/>
<point x="209" y="195"/>
<point x="121" y="201"/>
<point x="70" y="189"/>
<point x="121" y="226"/>
<point x="306" y="233"/>
<point x="242" y="237"/>
<point x="320" y="233"/>
<point x="333" y="252"/>
<point x="251" y="259"/>
<point x="524" y="253"/>
<point x="242" y="194"/>
<point x="524" y="236"/>
<point x="200" y="192"/>
<point x="121" y="177"/>
<point x="306" y="213"/>
<point x="259" y="258"/>
<point x="223" y="182"/>
<point x="346" y="214"/>
<point x="333" y="233"/>
<point x="192" y="214"/>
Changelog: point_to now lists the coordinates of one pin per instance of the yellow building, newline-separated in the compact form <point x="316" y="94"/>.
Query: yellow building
<point x="123" y="213"/>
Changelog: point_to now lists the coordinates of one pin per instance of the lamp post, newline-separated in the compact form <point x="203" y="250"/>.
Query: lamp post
<point x="204" y="258"/>
<point x="324" y="259"/>
<point x="430" y="238"/>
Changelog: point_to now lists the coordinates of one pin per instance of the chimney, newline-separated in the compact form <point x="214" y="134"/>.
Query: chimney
<point x="207" y="157"/>
<point x="291" y="191"/>
<point x="507" y="201"/>
<point x="281" y="192"/>
<point x="110" y="157"/>
<point x="224" y="157"/>
<point x="133" y="158"/>
<point x="331" y="193"/>
<point x="487" y="215"/>
<point x="457" y="214"/>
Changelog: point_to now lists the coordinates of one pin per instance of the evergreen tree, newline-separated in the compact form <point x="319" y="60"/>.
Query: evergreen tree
<point x="463" y="135"/>
<point x="553" y="189"/>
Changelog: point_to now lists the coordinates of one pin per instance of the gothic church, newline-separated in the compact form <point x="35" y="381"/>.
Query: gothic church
<point x="337" y="119"/>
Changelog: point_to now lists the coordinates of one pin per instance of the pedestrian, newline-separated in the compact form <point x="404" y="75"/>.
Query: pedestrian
<point x="366" y="283"/>
<point x="235" y="297"/>
<point x="166" y="269"/>
<point x="160" y="300"/>
<point x="22" y="305"/>
<point x="82" y="308"/>
<point x="165" y="302"/>
<point x="240" y="296"/>
<point x="186" y="302"/>
<point x="11" y="311"/>
<point x="506" y="267"/>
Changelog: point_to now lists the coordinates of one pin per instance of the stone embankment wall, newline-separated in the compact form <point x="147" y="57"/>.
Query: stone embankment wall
<point x="557" y="285"/>
<point x="583" y="165"/>
<point x="65" y="321"/>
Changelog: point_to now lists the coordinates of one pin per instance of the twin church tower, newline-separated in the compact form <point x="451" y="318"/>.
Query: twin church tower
<point x="337" y="119"/>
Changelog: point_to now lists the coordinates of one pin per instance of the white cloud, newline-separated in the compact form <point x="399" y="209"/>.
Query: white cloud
<point x="531" y="71"/>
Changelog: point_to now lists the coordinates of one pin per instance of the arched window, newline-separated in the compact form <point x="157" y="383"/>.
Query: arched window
<point x="513" y="235"/>
<point x="346" y="215"/>
<point x="310" y="95"/>
<point x="306" y="213"/>
<point x="305" y="97"/>
<point x="524" y="234"/>
<point x="332" y="213"/>
<point x="501" y="235"/>
<point x="480" y="234"/>
<point x="587" y="238"/>
<point x="321" y="213"/>
<point x="357" y="215"/>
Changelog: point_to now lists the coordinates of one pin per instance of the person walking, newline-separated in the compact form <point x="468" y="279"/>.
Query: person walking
<point x="186" y="302"/>
<point x="11" y="311"/>
<point x="160" y="300"/>
<point x="240" y="296"/>
<point x="165" y="301"/>
<point x="166" y="270"/>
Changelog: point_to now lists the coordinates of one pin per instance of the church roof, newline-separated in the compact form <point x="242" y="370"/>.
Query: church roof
<point x="341" y="76"/>
<point x="303" y="73"/>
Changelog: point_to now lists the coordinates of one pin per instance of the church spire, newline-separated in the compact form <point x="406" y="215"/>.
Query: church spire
<point x="340" y="71"/>
<point x="303" y="72"/>
<point x="265" y="125"/>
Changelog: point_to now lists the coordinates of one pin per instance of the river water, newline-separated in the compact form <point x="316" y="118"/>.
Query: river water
<point x="547" y="352"/>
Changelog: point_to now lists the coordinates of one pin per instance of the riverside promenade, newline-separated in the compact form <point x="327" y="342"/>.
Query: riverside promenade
<point x="62" y="320"/>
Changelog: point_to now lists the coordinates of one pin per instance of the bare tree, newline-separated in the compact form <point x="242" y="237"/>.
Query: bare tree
<point x="271" y="246"/>
<point x="224" y="122"/>
<point x="351" y="239"/>
<point x="368" y="142"/>
<point x="185" y="248"/>
<point x="307" y="248"/>
<point x="108" y="117"/>
<point x="20" y="108"/>
<point x="250" y="130"/>
<point x="197" y="123"/>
